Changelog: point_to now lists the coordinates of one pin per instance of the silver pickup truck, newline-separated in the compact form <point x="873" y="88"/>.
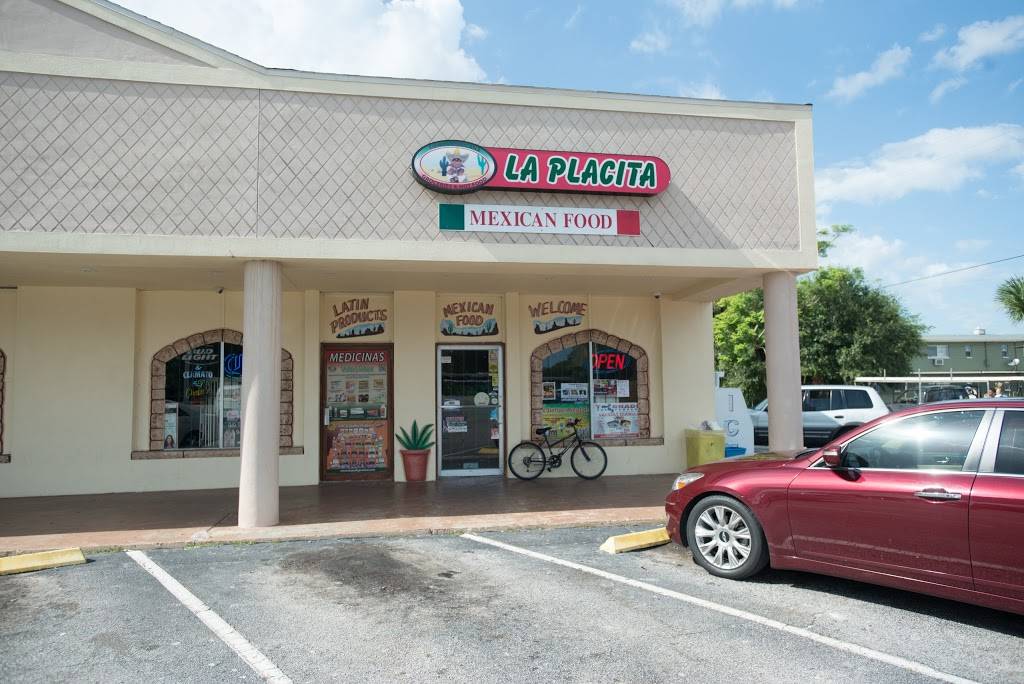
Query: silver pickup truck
<point x="828" y="411"/>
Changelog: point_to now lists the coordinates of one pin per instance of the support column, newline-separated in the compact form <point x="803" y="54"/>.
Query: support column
<point x="782" y="357"/>
<point x="261" y="395"/>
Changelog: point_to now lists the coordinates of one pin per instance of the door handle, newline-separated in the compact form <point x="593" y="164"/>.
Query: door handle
<point x="839" y="417"/>
<point x="938" y="495"/>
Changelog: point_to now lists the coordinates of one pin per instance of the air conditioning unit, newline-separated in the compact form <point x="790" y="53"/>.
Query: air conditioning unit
<point x="939" y="362"/>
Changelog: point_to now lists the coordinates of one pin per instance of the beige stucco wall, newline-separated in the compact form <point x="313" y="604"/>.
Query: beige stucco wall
<point x="81" y="401"/>
<point x="414" y="367"/>
<point x="8" y="317"/>
<point x="78" y="381"/>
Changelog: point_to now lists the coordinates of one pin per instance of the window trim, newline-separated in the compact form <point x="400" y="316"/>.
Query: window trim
<point x="557" y="344"/>
<point x="988" y="456"/>
<point x="158" y="383"/>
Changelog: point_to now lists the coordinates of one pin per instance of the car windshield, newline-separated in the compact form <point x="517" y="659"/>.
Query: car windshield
<point x="761" y="405"/>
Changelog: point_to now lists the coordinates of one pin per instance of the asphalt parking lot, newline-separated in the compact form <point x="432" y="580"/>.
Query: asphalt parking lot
<point x="449" y="608"/>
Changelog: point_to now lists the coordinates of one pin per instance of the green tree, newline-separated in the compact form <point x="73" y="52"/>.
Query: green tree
<point x="827" y="237"/>
<point x="1010" y="295"/>
<point x="848" y="327"/>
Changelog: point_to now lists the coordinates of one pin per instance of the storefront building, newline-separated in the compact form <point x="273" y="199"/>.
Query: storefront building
<point x="489" y="259"/>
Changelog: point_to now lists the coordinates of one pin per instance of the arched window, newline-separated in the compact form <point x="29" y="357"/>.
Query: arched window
<point x="196" y="385"/>
<point x="4" y="457"/>
<point x="597" y="378"/>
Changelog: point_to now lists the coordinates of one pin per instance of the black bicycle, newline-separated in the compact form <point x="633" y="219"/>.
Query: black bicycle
<point x="528" y="460"/>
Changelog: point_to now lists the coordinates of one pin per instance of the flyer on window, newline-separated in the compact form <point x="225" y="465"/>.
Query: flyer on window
<point x="615" y="419"/>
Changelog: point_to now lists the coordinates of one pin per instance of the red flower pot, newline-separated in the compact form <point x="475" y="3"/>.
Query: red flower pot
<point x="415" y="464"/>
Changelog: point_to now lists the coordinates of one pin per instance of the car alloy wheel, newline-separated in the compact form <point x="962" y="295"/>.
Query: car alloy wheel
<point x="722" y="537"/>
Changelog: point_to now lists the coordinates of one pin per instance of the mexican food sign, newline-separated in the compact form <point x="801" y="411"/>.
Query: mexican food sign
<point x="458" y="167"/>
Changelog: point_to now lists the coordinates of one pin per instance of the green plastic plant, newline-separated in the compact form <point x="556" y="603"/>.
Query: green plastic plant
<point x="418" y="439"/>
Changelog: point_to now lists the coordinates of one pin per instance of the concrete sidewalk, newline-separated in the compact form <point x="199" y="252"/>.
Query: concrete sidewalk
<point x="350" y="509"/>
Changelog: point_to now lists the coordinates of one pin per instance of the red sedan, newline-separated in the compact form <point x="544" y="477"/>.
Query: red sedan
<point x="930" y="499"/>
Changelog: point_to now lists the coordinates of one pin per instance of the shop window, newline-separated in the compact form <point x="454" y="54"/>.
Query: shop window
<point x="597" y="378"/>
<point x="4" y="458"/>
<point x="196" y="386"/>
<point x="203" y="398"/>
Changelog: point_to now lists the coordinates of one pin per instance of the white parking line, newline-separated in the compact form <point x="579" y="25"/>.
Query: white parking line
<point x="895" y="661"/>
<point x="235" y="641"/>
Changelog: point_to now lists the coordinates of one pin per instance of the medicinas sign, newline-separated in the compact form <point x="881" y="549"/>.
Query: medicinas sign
<point x="456" y="167"/>
<point x="497" y="218"/>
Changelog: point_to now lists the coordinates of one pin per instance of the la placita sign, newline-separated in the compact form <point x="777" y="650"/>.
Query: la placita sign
<point x="497" y="218"/>
<point x="456" y="167"/>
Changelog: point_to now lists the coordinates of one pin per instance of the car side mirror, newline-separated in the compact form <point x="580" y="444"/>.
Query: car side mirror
<point x="833" y="457"/>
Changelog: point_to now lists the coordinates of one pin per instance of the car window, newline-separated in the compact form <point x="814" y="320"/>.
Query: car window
<point x="816" y="400"/>
<point x="838" y="403"/>
<point x="922" y="442"/>
<point x="857" y="399"/>
<point x="762" y="406"/>
<point x="1010" y="453"/>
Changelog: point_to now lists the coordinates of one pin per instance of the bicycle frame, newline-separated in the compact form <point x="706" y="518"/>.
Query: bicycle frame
<point x="575" y="441"/>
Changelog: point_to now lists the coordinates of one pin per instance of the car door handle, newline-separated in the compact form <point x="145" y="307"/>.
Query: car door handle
<point x="938" y="495"/>
<point x="839" y="417"/>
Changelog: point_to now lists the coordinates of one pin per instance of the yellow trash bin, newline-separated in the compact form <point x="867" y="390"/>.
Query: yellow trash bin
<point x="703" y="446"/>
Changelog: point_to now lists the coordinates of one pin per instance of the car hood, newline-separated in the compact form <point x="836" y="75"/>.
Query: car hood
<point x="772" y="459"/>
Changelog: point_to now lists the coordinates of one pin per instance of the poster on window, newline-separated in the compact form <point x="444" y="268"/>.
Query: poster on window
<point x="558" y="417"/>
<point x="615" y="419"/>
<point x="357" y="446"/>
<point x="574" y="391"/>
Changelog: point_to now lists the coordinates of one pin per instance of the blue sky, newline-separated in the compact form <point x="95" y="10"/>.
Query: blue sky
<point x="919" y="138"/>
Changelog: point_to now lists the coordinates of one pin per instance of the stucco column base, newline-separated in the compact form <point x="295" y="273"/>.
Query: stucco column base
<point x="261" y="395"/>
<point x="782" y="360"/>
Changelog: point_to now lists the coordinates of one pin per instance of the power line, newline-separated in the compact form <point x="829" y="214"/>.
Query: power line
<point x="955" y="270"/>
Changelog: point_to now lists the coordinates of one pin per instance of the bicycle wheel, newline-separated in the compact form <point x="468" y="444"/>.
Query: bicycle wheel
<point x="526" y="461"/>
<point x="588" y="460"/>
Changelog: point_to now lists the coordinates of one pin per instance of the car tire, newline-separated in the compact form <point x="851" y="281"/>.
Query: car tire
<point x="719" y="530"/>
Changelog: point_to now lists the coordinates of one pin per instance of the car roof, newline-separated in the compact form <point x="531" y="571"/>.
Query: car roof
<point x="834" y="387"/>
<point x="991" y="402"/>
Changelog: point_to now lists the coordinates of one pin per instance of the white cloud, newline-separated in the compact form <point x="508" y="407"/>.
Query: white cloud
<point x="705" y="12"/>
<point x="401" y="38"/>
<point x="705" y="91"/>
<point x="476" y="32"/>
<point x="947" y="86"/>
<point x="571" y="21"/>
<point x="941" y="159"/>
<point x="971" y="245"/>
<point x="954" y="302"/>
<point x="934" y="34"/>
<point x="981" y="40"/>
<point x="650" y="42"/>
<point x="1014" y="85"/>
<point x="887" y="66"/>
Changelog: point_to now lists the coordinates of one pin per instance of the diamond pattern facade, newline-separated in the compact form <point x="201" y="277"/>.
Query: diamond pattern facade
<point x="90" y="155"/>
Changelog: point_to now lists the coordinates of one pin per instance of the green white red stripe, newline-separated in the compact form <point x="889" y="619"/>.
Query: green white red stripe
<point x="497" y="218"/>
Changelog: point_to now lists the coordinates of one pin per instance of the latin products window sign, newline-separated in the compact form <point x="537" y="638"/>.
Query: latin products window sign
<point x="498" y="218"/>
<point x="594" y="383"/>
<point x="457" y="166"/>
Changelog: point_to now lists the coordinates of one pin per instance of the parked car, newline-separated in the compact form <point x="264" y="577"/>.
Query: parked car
<point x="828" y="411"/>
<point x="930" y="499"/>
<point x="930" y="394"/>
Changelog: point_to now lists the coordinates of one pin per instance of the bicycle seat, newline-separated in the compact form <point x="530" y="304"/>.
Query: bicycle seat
<point x="543" y="430"/>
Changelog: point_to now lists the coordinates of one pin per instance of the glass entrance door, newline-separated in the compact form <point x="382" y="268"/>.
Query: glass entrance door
<point x="470" y="410"/>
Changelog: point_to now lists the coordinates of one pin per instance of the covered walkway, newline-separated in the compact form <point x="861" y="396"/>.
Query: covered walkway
<point x="151" y="519"/>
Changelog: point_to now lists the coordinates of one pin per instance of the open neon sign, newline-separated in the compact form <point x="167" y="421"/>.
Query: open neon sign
<point x="608" y="361"/>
